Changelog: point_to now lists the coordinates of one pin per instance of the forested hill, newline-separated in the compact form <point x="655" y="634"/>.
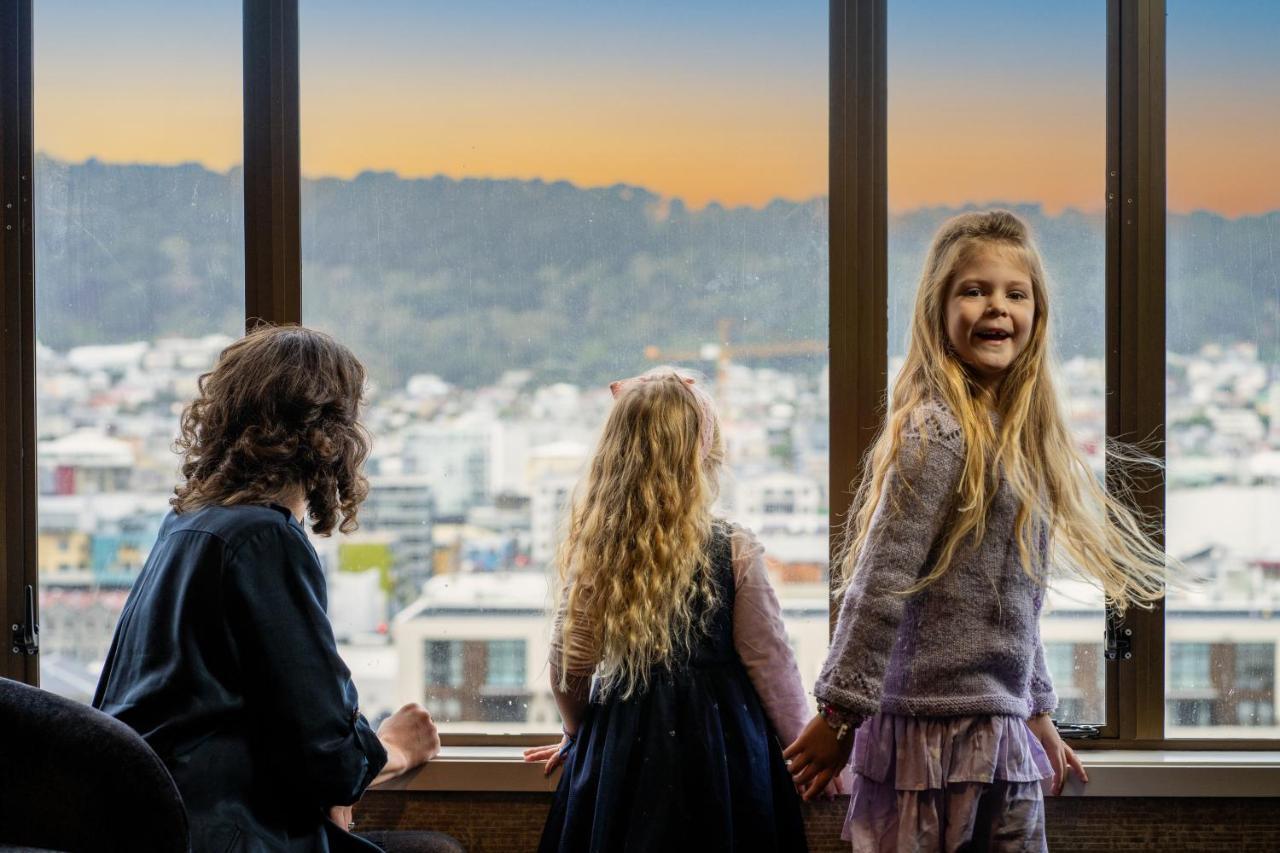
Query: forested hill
<point x="468" y="278"/>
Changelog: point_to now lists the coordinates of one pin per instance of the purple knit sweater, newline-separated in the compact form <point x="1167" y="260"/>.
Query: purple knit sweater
<point x="967" y="644"/>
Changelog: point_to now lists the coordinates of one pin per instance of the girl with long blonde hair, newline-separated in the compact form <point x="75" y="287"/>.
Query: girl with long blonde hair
<point x="670" y="611"/>
<point x="972" y="492"/>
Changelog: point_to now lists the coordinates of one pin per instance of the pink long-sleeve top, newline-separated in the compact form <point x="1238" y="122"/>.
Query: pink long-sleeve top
<point x="759" y="637"/>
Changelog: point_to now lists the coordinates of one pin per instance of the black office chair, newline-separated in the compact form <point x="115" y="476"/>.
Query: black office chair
<point x="76" y="779"/>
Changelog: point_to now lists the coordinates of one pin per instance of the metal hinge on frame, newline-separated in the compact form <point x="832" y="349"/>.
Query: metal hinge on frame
<point x="26" y="636"/>
<point x="1117" y="640"/>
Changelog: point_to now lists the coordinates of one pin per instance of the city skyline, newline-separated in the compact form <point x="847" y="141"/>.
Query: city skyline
<point x="103" y="492"/>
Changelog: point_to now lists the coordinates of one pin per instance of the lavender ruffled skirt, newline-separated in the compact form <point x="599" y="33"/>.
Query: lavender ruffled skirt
<point x="946" y="784"/>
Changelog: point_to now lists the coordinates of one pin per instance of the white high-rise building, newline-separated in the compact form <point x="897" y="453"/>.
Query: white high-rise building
<point x="455" y="458"/>
<point x="402" y="506"/>
<point x="554" y="471"/>
<point x="549" y="507"/>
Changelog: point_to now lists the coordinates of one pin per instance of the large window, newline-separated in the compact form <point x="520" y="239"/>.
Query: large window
<point x="1223" y="365"/>
<point x="504" y="209"/>
<point x="964" y="133"/>
<point x="139" y="283"/>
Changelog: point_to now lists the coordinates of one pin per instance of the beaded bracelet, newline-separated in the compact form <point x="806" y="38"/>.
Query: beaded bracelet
<point x="841" y="721"/>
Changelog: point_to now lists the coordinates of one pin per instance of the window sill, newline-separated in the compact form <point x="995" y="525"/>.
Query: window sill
<point x="1112" y="773"/>
<point x="475" y="768"/>
<point x="1177" y="773"/>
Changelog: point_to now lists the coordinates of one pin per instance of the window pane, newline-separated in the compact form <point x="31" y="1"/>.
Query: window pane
<point x="1190" y="666"/>
<point x="1223" y="365"/>
<point x="444" y="663"/>
<point x="506" y="664"/>
<point x="504" y="209"/>
<point x="1004" y="105"/>
<point x="139" y="259"/>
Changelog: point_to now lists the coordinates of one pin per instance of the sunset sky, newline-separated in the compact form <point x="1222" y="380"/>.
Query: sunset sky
<point x="708" y="101"/>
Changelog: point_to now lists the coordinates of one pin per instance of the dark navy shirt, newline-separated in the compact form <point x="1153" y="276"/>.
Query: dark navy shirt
<point x="225" y="662"/>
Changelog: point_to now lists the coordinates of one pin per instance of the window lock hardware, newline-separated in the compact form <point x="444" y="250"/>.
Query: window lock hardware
<point x="26" y="636"/>
<point x="1079" y="731"/>
<point x="1118" y="640"/>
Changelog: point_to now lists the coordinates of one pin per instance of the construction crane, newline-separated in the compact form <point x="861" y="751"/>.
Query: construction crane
<point x="723" y="353"/>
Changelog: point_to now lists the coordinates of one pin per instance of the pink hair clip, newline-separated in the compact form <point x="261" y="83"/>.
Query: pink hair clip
<point x="619" y="385"/>
<point x="706" y="406"/>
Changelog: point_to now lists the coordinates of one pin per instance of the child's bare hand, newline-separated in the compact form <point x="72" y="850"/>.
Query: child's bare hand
<point x="1062" y="757"/>
<point x="412" y="734"/>
<point x="553" y="755"/>
<point x="817" y="757"/>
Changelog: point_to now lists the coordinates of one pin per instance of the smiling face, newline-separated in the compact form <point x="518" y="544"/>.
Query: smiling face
<point x="990" y="311"/>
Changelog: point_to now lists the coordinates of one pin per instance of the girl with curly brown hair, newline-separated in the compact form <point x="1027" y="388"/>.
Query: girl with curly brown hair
<point x="224" y="659"/>
<point x="278" y="417"/>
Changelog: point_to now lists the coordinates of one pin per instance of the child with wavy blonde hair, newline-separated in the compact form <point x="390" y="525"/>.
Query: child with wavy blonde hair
<point x="972" y="491"/>
<point x="671" y="611"/>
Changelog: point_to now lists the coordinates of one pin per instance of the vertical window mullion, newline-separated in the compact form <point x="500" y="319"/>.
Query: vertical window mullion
<point x="858" y="242"/>
<point x="1136" y="328"/>
<point x="272" y="230"/>
<point x="17" y="339"/>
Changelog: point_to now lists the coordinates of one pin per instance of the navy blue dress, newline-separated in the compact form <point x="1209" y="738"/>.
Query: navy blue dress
<point x="225" y="663"/>
<point x="690" y="764"/>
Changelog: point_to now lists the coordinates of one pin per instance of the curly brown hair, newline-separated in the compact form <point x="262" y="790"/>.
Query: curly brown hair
<point x="280" y="410"/>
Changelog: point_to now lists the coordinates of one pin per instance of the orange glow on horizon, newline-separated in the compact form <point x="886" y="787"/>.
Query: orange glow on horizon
<point x="996" y="147"/>
<point x="1223" y="154"/>
<point x="747" y="149"/>
<point x="736" y="151"/>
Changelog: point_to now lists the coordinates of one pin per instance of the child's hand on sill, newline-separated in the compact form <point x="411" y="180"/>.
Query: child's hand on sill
<point x="553" y="755"/>
<point x="1062" y="757"/>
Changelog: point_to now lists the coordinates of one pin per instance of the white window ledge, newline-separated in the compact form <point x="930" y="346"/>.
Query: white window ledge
<point x="475" y="768"/>
<point x="1173" y="773"/>
<point x="1127" y="773"/>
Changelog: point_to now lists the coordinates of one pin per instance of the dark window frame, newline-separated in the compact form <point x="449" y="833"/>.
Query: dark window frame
<point x="18" y="565"/>
<point x="858" y="223"/>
